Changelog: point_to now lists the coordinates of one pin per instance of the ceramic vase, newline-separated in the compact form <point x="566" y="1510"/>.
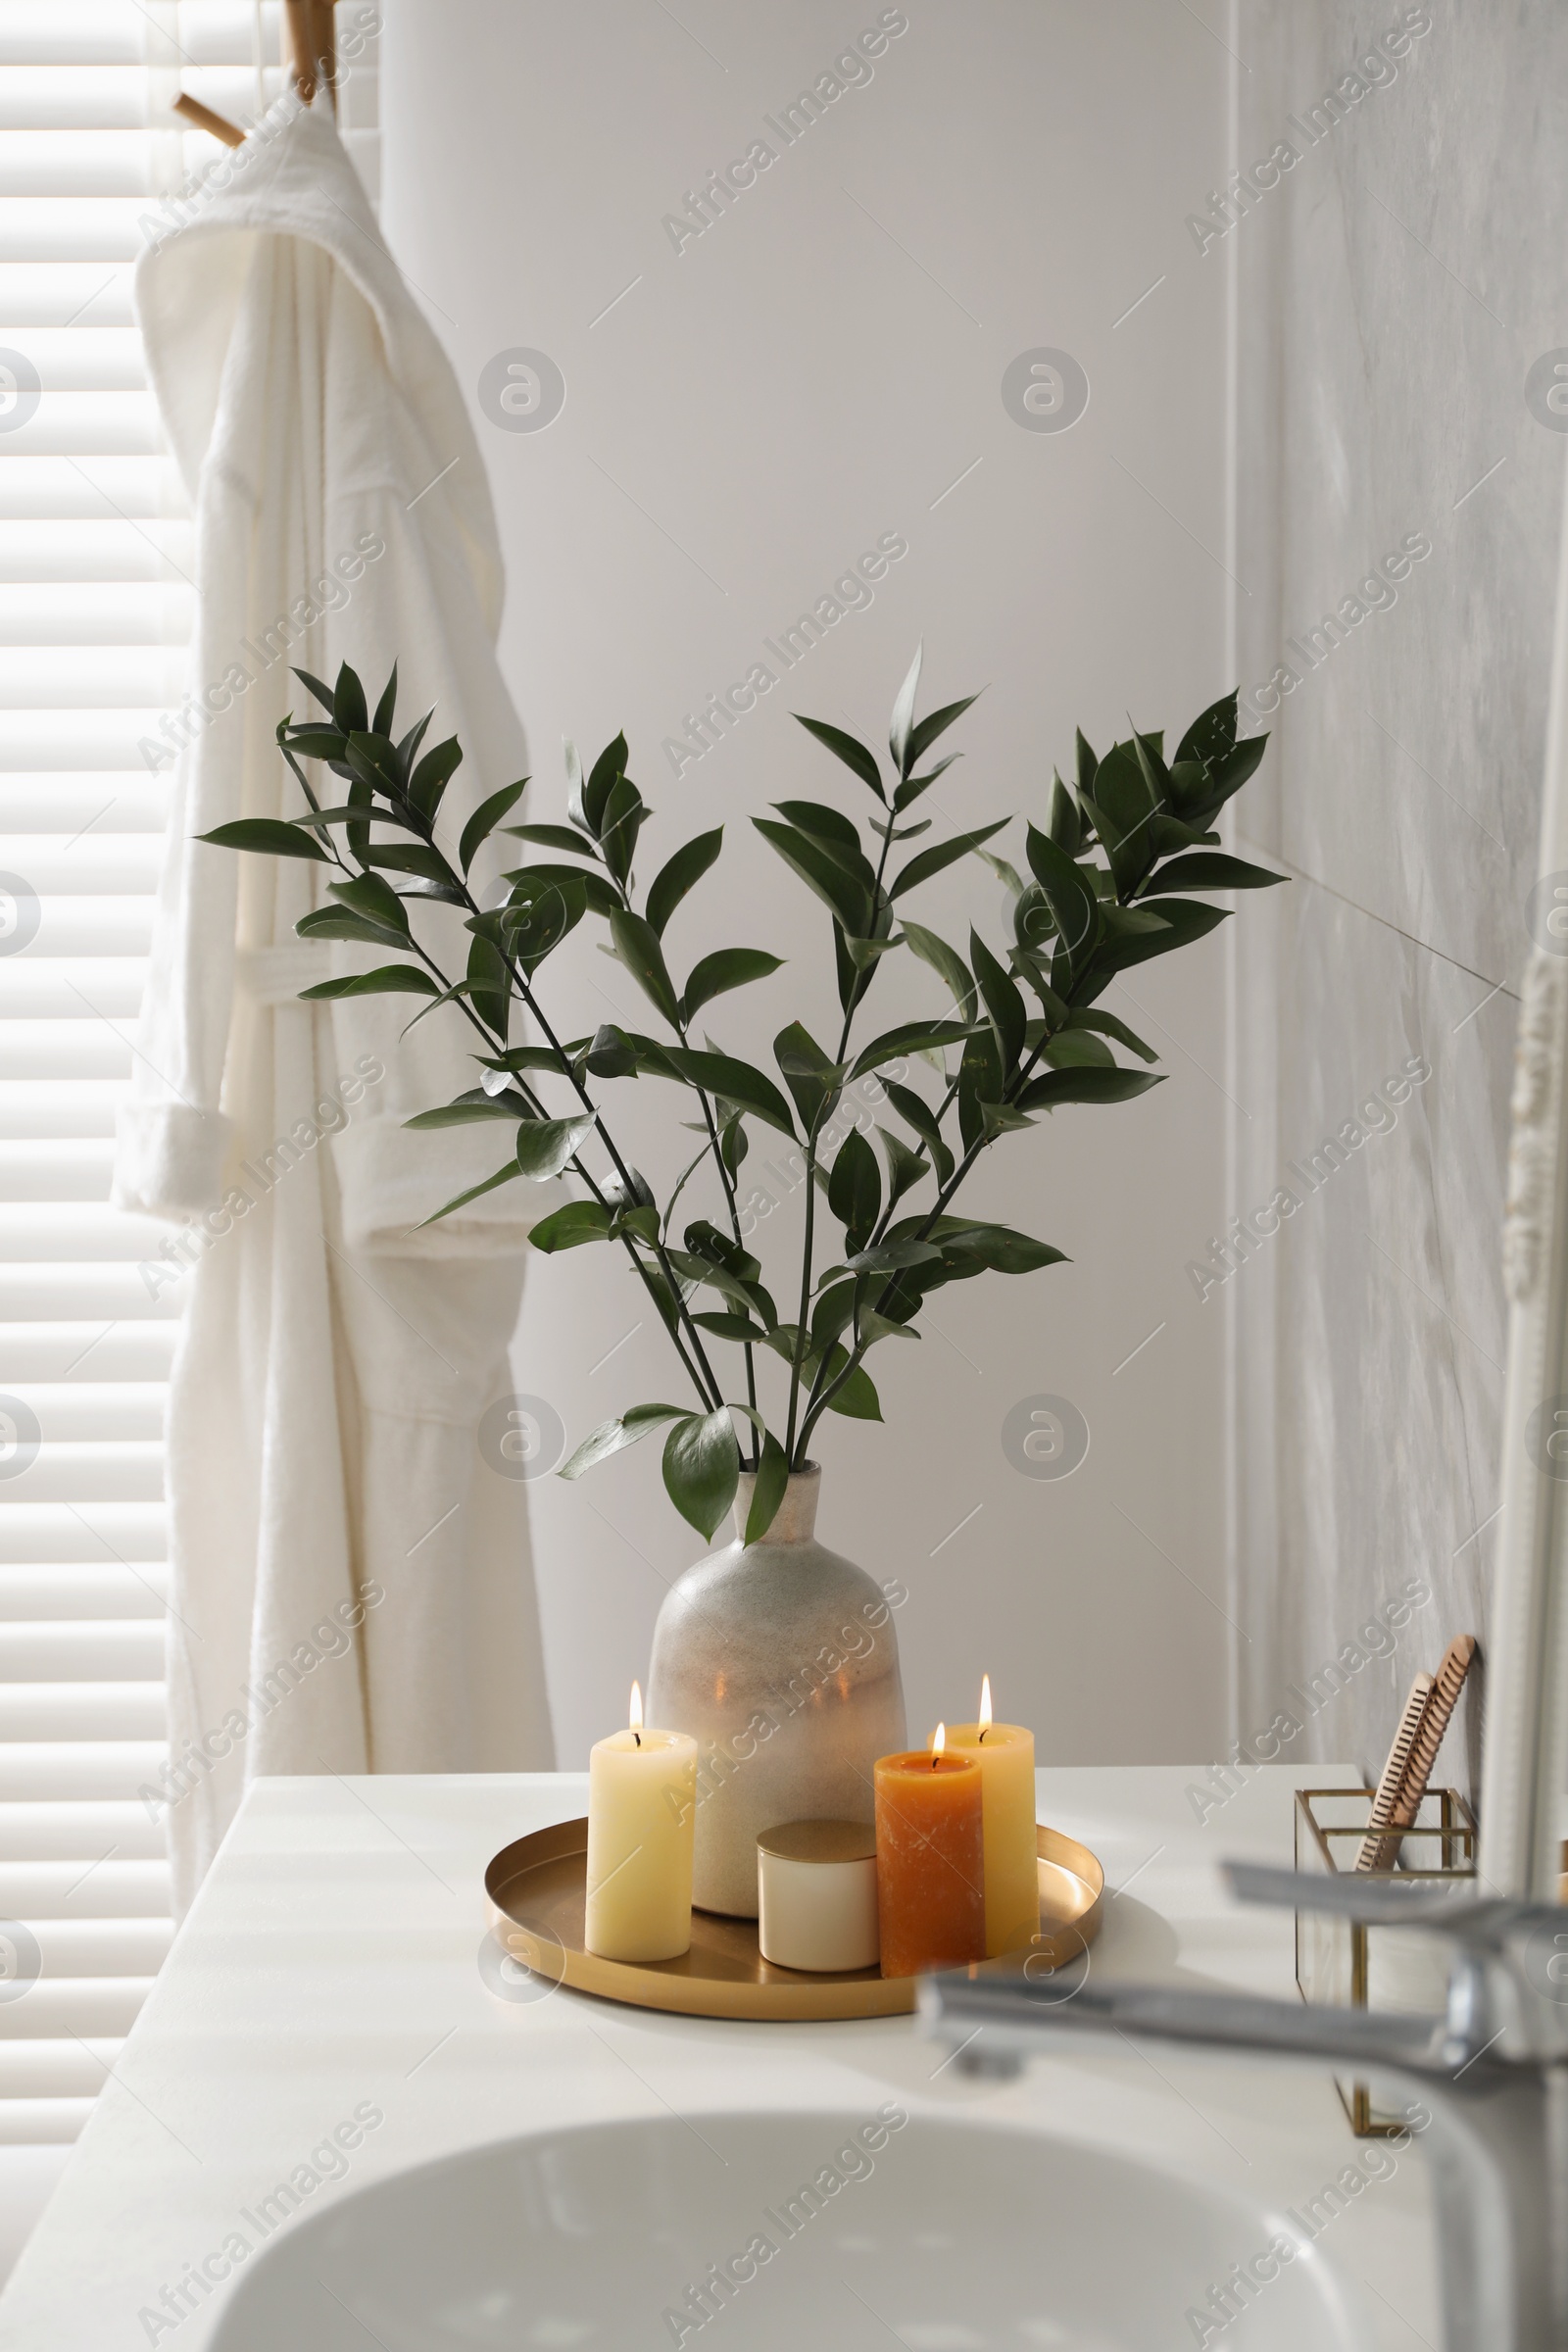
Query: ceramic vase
<point x="782" y="1661"/>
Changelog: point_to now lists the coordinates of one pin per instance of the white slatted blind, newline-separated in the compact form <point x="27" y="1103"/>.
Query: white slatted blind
<point x="95" y="609"/>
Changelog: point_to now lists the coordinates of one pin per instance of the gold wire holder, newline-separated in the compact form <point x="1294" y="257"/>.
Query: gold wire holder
<point x="1342" y="1960"/>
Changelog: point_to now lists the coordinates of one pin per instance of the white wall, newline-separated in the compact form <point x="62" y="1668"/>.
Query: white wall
<point x="816" y="370"/>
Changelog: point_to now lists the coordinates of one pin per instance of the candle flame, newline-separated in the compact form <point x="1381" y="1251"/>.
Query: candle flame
<point x="939" y="1740"/>
<point x="635" y="1712"/>
<point x="985" y="1704"/>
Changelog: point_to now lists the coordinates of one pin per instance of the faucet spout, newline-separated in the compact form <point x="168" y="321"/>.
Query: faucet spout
<point x="1490" y="2079"/>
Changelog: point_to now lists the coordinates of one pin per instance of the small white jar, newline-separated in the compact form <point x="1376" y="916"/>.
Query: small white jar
<point x="817" y="1896"/>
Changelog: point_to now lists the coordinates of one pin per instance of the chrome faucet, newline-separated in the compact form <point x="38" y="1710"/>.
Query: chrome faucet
<point x="1493" y="2072"/>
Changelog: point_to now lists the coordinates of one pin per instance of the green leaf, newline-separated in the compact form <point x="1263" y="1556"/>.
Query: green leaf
<point x="1147" y="749"/>
<point x="349" y="712"/>
<point x="1008" y="875"/>
<point x="1208" y="870"/>
<point x="1121" y="789"/>
<point x="388" y="980"/>
<point x="268" y="834"/>
<point x="1010" y="1016"/>
<point x="999" y="1248"/>
<point x="888" y="1257"/>
<point x="846" y="747"/>
<point x="533" y="929"/>
<point x="489" y="981"/>
<point x="902" y="725"/>
<point x="1077" y="1050"/>
<point x="909" y="791"/>
<point x="1067" y="892"/>
<point x="701" y="1468"/>
<point x="673" y="880"/>
<point x="725" y="968"/>
<point x="772" y="1478"/>
<point x="468" y="1109"/>
<point x="375" y="900"/>
<point x="1212" y="734"/>
<point x="322" y="694"/>
<point x="570" y="1227"/>
<point x="858" y="1399"/>
<point x="737" y="1081"/>
<point x="1184" y="920"/>
<point x="320" y="743"/>
<point x="382" y="724"/>
<point x="905" y="1168"/>
<point x="336" y="922"/>
<point x="1064" y="828"/>
<point x="918" y="1114"/>
<point x="855" y="1189"/>
<point x="862" y="953"/>
<point x="507" y="1175"/>
<point x="833" y="1311"/>
<point x="980" y="1084"/>
<point x="704" y="1270"/>
<point x="874" y="1327"/>
<point x="638" y="949"/>
<point x="625" y="814"/>
<point x="911" y="1037"/>
<point x="820" y="871"/>
<point x="739" y="1328"/>
<point x="612" y="1437"/>
<point x="372" y="760"/>
<point x="922" y="737"/>
<point x="552" y="837"/>
<point x="545" y="1145"/>
<point x="1087" y="1017"/>
<point x="927" y="863"/>
<point x="354" y="815"/>
<point x="526" y="1058"/>
<point x="948" y="964"/>
<point x="414" y="857"/>
<point x="1130" y="854"/>
<point x="433" y="774"/>
<point x="827" y="824"/>
<point x="610" y="765"/>
<point x="409" y="748"/>
<point x="1055" y="1087"/>
<point x="487" y="816"/>
<point x="612" y="1054"/>
<point x="1087" y="762"/>
<point x="815" y="1082"/>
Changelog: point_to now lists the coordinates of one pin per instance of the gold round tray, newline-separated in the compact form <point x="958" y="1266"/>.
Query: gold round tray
<point x="537" y="1890"/>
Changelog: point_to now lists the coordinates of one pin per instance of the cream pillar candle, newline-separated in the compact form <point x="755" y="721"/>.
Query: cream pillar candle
<point x="641" y="1805"/>
<point x="1005" y="1755"/>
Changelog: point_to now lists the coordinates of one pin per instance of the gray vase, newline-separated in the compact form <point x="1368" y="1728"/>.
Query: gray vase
<point x="782" y="1661"/>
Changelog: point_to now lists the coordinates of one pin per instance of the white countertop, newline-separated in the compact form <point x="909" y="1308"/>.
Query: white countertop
<point x="331" y="1963"/>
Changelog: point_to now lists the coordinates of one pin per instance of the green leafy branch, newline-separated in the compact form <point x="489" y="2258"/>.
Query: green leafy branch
<point x="1106" y="886"/>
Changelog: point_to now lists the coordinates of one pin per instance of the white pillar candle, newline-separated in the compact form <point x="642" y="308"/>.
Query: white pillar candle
<point x="642" y="1806"/>
<point x="817" y="1895"/>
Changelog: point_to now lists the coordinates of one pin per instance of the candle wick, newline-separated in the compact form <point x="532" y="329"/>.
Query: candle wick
<point x="984" y="1728"/>
<point x="637" y="1736"/>
<point x="934" y="1763"/>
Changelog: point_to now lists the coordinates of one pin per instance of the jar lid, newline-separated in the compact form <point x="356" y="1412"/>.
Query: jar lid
<point x="820" y="1842"/>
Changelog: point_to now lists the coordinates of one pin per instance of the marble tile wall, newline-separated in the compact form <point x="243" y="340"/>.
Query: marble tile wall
<point x="1394" y="290"/>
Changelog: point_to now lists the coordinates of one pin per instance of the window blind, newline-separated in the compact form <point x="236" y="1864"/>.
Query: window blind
<point x="95" y="610"/>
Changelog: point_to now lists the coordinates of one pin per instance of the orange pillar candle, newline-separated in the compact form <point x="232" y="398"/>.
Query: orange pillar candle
<point x="930" y="1860"/>
<point x="1005" y="1755"/>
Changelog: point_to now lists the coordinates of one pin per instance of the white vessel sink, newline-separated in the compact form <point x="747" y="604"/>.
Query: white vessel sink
<point x="951" y="2236"/>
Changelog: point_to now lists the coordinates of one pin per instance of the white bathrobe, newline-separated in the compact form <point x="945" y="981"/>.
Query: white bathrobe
<point x="325" y="1482"/>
